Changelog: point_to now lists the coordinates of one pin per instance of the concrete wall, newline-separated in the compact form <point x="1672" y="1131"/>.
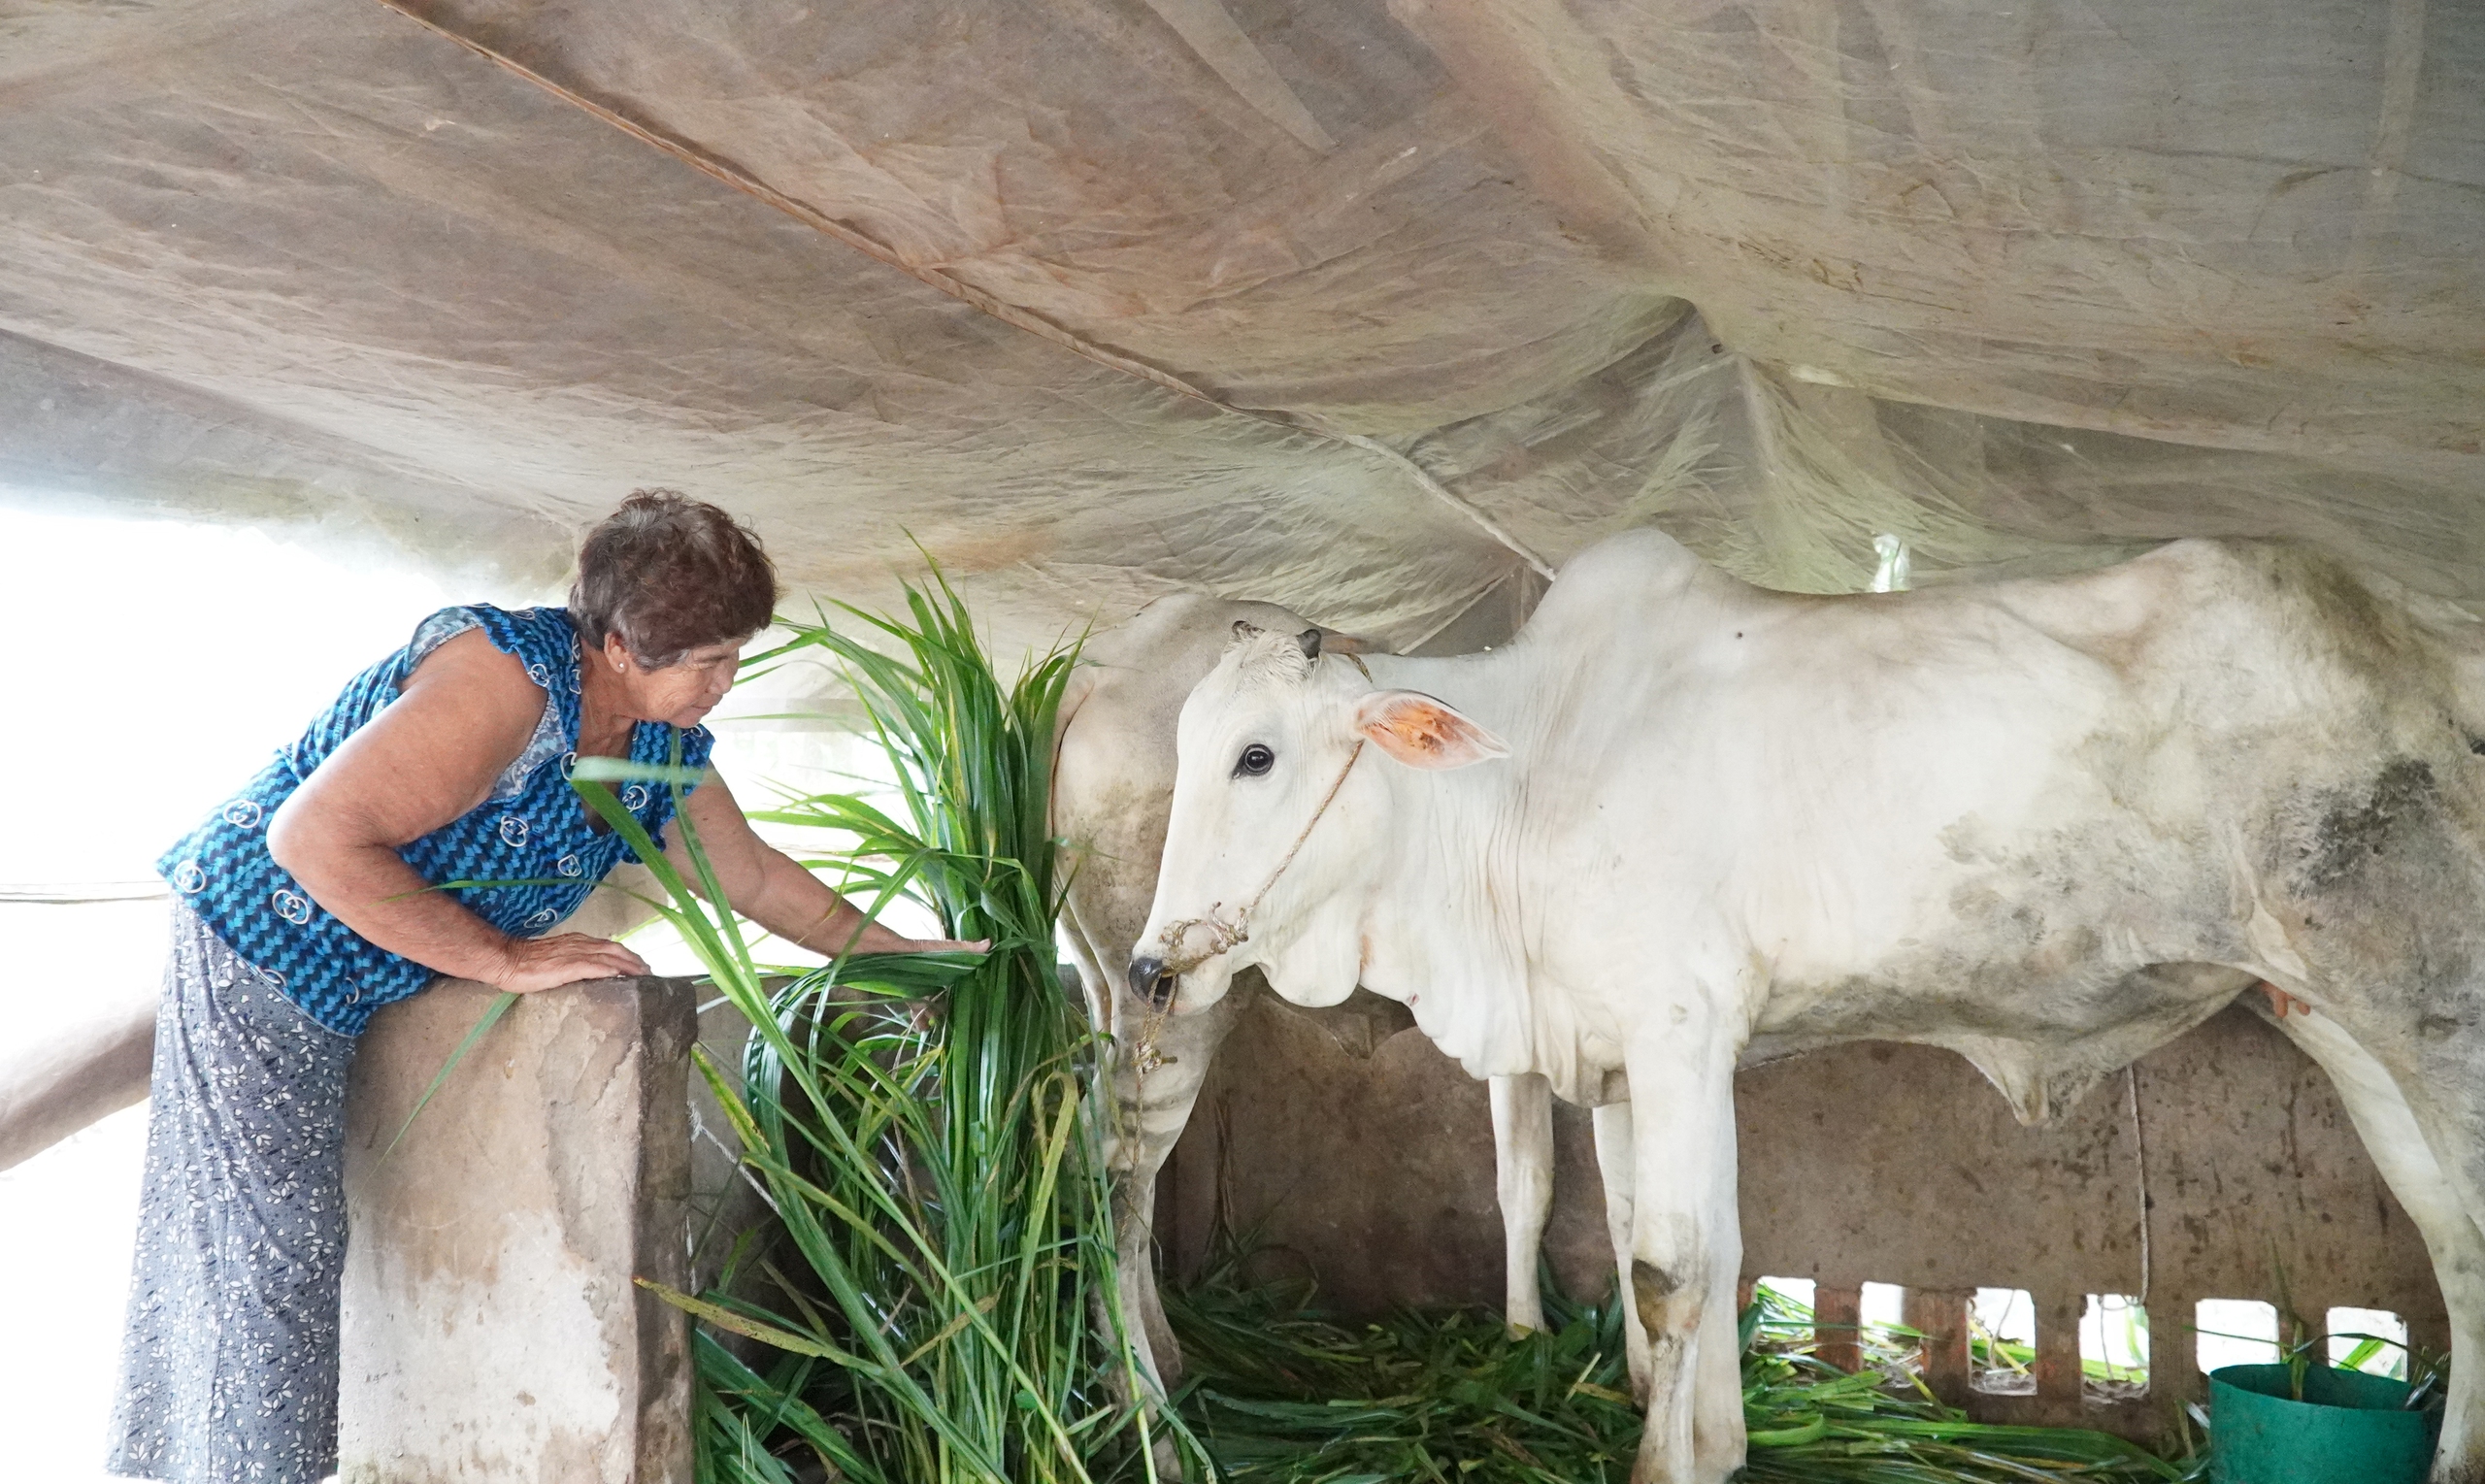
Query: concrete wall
<point x="1370" y="1168"/>
<point x="493" y="1330"/>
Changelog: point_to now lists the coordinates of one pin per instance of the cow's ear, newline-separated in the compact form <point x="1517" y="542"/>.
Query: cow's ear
<point x="1423" y="731"/>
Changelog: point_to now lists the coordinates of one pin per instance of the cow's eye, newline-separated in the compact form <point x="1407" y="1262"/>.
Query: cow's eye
<point x="1254" y="761"/>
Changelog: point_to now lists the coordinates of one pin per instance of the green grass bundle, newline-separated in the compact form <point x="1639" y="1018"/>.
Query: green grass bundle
<point x="940" y="1295"/>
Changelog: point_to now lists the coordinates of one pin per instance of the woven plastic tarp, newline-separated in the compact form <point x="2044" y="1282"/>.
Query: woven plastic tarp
<point x="1377" y="310"/>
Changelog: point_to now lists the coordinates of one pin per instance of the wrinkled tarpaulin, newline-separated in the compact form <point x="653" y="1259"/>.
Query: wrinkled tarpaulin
<point x="1367" y="308"/>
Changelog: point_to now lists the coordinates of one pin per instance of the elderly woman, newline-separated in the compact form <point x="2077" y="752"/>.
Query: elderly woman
<point x="302" y="905"/>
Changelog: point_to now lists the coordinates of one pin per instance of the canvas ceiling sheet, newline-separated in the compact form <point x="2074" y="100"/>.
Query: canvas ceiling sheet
<point x="1365" y="308"/>
<point x="346" y="247"/>
<point x="2020" y="212"/>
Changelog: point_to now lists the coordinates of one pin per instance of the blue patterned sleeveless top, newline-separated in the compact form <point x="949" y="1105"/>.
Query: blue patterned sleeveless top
<point x="533" y="828"/>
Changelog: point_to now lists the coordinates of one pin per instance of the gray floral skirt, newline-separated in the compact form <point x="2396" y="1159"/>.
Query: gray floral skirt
<point x="229" y="1362"/>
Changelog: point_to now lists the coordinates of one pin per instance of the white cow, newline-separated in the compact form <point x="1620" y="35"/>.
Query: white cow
<point x="1680" y="821"/>
<point x="1113" y="790"/>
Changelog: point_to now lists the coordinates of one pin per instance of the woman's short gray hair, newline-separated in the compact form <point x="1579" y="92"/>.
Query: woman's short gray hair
<point x="668" y="575"/>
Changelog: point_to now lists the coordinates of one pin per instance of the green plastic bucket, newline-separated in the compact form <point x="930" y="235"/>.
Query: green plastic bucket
<point x="2349" y="1428"/>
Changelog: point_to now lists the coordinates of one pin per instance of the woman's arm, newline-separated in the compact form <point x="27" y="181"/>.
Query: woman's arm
<point x="765" y="885"/>
<point x="464" y="715"/>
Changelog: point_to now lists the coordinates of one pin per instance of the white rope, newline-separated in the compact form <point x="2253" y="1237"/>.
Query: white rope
<point x="77" y="893"/>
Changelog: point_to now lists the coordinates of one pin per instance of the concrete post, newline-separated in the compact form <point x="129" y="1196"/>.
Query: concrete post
<point x="1941" y="1316"/>
<point x="492" y="1330"/>
<point x="2174" y="1351"/>
<point x="1837" y="1325"/>
<point x="2060" y="1379"/>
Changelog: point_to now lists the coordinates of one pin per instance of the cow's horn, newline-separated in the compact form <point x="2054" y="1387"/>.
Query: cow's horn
<point x="1310" y="639"/>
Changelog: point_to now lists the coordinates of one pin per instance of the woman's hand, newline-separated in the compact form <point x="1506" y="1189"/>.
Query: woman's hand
<point x="564" y="958"/>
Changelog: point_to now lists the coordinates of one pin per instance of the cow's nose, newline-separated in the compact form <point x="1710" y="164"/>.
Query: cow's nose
<point x="1150" y="982"/>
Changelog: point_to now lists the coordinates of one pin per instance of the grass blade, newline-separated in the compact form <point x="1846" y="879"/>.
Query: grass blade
<point x="491" y="1017"/>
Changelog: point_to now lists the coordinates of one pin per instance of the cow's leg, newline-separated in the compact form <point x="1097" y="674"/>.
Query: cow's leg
<point x="1152" y="1097"/>
<point x="1682" y="1230"/>
<point x="1717" y="1415"/>
<point x="2400" y="1151"/>
<point x="1130" y="1173"/>
<point x="1143" y="1103"/>
<point x="1523" y="1178"/>
<point x="1613" y="1162"/>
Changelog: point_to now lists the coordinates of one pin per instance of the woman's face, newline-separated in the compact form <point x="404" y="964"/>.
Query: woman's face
<point x="682" y="692"/>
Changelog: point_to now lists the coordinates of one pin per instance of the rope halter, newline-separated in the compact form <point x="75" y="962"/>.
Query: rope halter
<point x="1224" y="935"/>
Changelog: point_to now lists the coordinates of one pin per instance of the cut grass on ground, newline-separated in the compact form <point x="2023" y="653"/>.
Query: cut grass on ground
<point x="1284" y="1395"/>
